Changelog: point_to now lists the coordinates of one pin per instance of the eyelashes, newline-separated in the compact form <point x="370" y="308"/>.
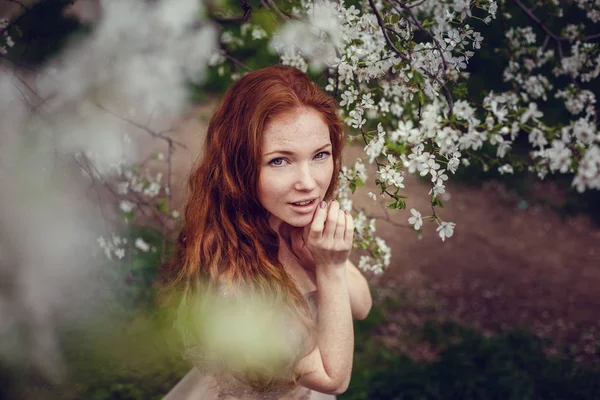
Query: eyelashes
<point x="273" y="161"/>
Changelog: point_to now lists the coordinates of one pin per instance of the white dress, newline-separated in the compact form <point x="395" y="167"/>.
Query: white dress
<point x="199" y="385"/>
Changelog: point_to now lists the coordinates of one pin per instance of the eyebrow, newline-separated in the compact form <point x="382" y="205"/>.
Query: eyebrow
<point x="286" y="152"/>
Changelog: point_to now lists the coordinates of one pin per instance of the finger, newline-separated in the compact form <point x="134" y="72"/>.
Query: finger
<point x="329" y="231"/>
<point x="318" y="222"/>
<point x="340" y="229"/>
<point x="349" y="234"/>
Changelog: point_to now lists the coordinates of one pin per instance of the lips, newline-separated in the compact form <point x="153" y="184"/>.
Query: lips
<point x="303" y="201"/>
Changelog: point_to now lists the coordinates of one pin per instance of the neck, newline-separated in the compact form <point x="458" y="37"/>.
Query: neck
<point x="281" y="228"/>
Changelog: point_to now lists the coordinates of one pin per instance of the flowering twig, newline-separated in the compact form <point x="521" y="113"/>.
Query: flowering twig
<point x="381" y="24"/>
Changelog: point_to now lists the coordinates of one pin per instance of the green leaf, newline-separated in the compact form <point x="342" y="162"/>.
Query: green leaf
<point x="461" y="90"/>
<point x="437" y="202"/>
<point x="418" y="77"/>
<point x="397" y="204"/>
<point x="163" y="205"/>
<point x="352" y="186"/>
<point x="264" y="18"/>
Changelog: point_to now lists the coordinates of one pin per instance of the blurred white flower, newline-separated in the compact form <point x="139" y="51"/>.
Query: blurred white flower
<point x="142" y="245"/>
<point x="126" y="206"/>
<point x="120" y="253"/>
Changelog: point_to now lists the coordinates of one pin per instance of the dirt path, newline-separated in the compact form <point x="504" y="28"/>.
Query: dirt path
<point x="504" y="267"/>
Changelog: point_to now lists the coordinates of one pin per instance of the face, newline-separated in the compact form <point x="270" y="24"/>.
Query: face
<point x="296" y="165"/>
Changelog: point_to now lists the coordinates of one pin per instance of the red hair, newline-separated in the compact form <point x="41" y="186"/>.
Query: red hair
<point x="226" y="236"/>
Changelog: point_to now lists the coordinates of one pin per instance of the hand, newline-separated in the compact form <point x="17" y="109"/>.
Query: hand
<point x="328" y="238"/>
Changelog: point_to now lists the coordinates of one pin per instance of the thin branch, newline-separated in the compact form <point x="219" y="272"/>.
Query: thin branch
<point x="389" y="220"/>
<point x="158" y="135"/>
<point x="592" y="37"/>
<point x="270" y="4"/>
<point x="238" y="62"/>
<point x="163" y="252"/>
<point x="445" y="89"/>
<point x="142" y="203"/>
<point x="23" y="6"/>
<point x="539" y="23"/>
<point x="417" y="4"/>
<point x="381" y="24"/>
<point x="435" y="41"/>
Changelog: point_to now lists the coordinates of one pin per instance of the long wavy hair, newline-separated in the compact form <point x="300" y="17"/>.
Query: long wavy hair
<point x="226" y="237"/>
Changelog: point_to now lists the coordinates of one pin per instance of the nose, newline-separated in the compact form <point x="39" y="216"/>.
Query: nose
<point x="305" y="180"/>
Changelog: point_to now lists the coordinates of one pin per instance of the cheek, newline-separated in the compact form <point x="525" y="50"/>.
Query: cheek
<point x="269" y="186"/>
<point x="326" y="174"/>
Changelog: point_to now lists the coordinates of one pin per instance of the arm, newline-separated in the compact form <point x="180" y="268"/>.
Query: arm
<point x="328" y="368"/>
<point x="360" y="294"/>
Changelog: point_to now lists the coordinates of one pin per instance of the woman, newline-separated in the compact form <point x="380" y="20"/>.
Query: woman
<point x="260" y="218"/>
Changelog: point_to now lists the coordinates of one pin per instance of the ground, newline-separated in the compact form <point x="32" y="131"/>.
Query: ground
<point x="509" y="264"/>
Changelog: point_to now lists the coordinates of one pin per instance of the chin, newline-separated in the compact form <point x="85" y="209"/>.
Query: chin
<point x="299" y="222"/>
<point x="297" y="225"/>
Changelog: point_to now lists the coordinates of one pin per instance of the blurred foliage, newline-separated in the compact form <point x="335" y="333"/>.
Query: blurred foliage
<point x="469" y="366"/>
<point x="129" y="352"/>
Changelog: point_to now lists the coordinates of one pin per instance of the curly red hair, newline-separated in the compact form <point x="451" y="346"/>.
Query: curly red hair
<point x="226" y="236"/>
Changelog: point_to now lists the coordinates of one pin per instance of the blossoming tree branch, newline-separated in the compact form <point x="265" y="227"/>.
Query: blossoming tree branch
<point x="399" y="70"/>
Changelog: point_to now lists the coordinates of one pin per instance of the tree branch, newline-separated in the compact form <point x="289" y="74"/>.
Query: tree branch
<point x="158" y="135"/>
<point x="270" y="4"/>
<point x="381" y="24"/>
<point x="445" y="89"/>
<point x="539" y="23"/>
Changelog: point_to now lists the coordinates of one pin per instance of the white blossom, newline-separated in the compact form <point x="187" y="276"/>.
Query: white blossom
<point x="416" y="219"/>
<point x="376" y="146"/>
<point x="505" y="169"/>
<point x="445" y="229"/>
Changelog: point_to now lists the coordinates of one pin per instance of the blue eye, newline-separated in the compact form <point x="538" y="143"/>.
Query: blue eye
<point x="278" y="162"/>
<point x="274" y="163"/>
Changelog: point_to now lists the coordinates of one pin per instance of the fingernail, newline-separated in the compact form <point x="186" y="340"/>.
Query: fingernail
<point x="323" y="204"/>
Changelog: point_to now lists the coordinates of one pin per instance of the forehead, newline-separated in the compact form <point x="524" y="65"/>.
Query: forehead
<point x="301" y="129"/>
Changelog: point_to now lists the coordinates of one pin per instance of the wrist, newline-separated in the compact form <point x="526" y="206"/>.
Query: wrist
<point x="331" y="271"/>
<point x="329" y="264"/>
